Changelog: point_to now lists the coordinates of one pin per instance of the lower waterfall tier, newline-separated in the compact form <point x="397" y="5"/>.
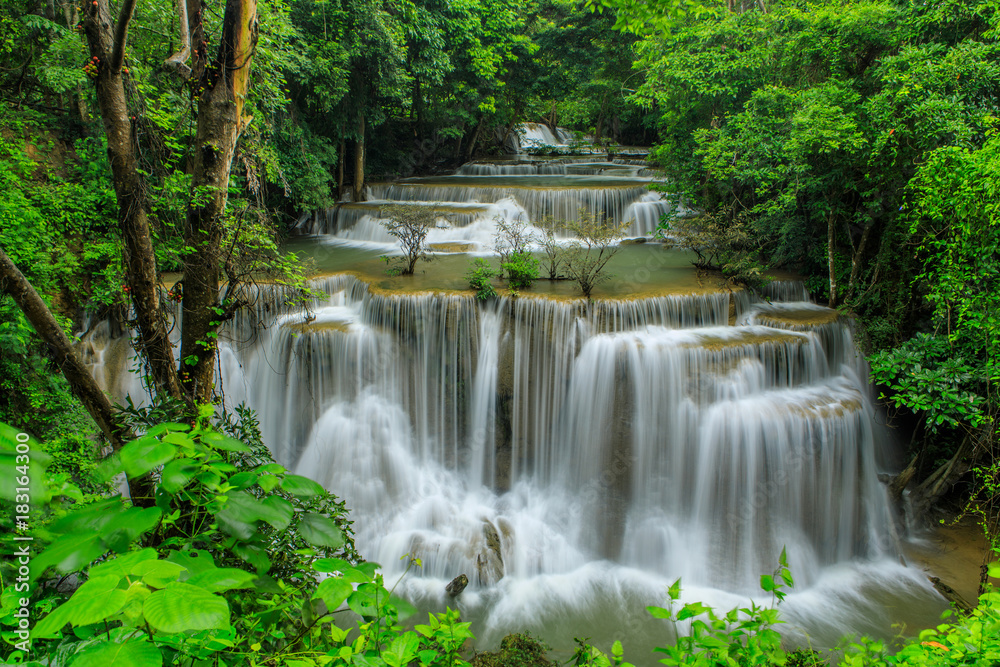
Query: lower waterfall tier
<point x="574" y="458"/>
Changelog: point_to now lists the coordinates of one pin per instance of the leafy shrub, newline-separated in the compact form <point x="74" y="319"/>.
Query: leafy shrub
<point x="480" y="275"/>
<point x="516" y="650"/>
<point x="521" y="270"/>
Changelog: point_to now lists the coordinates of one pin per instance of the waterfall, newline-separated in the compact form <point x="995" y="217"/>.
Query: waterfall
<point x="526" y="441"/>
<point x="540" y="196"/>
<point x="574" y="455"/>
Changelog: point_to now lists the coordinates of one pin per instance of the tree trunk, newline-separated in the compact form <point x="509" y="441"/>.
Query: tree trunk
<point x="178" y="61"/>
<point x="220" y="123"/>
<point x="342" y="155"/>
<point x="831" y="237"/>
<point x="359" y="161"/>
<point x="475" y="138"/>
<point x="856" y="258"/>
<point x="417" y="109"/>
<point x="81" y="382"/>
<point x="107" y="44"/>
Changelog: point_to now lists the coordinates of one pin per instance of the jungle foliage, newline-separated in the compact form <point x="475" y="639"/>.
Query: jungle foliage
<point x="855" y="144"/>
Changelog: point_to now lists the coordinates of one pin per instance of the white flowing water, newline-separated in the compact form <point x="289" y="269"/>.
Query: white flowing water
<point x="572" y="459"/>
<point x="537" y="191"/>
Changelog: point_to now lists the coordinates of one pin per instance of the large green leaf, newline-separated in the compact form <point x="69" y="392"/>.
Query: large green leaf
<point x="331" y="565"/>
<point x="136" y="653"/>
<point x="333" y="592"/>
<point x="129" y="526"/>
<point x="181" y="607"/>
<point x="140" y="456"/>
<point x="195" y="560"/>
<point x="224" y="442"/>
<point x="223" y="579"/>
<point x="320" y="531"/>
<point x="98" y="599"/>
<point x="122" y="565"/>
<point x="279" y="512"/>
<point x="367" y="599"/>
<point x="177" y="474"/>
<point x="297" y="485"/>
<point x="157" y="573"/>
<point x="68" y="554"/>
<point x="402" y="650"/>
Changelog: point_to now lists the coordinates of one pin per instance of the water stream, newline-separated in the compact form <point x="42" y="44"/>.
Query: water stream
<point x="573" y="459"/>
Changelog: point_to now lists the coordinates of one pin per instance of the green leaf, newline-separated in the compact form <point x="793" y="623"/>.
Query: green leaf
<point x="333" y="591"/>
<point x="98" y="599"/>
<point x="144" y="454"/>
<point x="674" y="592"/>
<point x="278" y="512"/>
<point x="367" y="599"/>
<point x="181" y="607"/>
<point x="691" y="610"/>
<point x="223" y="579"/>
<point x="658" y="612"/>
<point x="157" y="573"/>
<point x="195" y="561"/>
<point x="129" y="526"/>
<point x="136" y="653"/>
<point x="177" y="474"/>
<point x="331" y="565"/>
<point x="68" y="554"/>
<point x="224" y="442"/>
<point x="297" y="485"/>
<point x="320" y="531"/>
<point x="122" y="565"/>
<point x="767" y="582"/>
<point x="402" y="650"/>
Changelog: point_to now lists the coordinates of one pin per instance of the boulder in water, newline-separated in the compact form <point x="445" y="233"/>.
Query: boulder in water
<point x="457" y="585"/>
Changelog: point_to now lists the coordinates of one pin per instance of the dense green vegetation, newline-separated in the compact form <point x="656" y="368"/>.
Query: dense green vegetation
<point x="853" y="142"/>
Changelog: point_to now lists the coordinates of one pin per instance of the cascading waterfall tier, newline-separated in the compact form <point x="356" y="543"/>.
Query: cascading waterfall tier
<point x="559" y="197"/>
<point x="573" y="455"/>
<point x="523" y="442"/>
<point x="533" y="190"/>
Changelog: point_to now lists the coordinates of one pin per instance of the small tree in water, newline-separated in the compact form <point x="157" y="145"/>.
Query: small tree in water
<point x="409" y="224"/>
<point x="597" y="242"/>
<point x="554" y="254"/>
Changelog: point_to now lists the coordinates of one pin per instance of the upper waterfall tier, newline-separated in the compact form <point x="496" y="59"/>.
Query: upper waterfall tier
<point x="559" y="197"/>
<point x="554" y="167"/>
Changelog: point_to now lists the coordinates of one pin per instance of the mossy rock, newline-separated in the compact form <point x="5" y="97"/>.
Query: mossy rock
<point x="516" y="650"/>
<point x="805" y="658"/>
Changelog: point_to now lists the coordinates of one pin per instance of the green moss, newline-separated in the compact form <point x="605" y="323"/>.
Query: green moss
<point x="516" y="650"/>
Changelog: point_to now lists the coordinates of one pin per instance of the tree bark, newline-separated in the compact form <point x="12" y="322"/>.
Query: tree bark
<point x="359" y="160"/>
<point x="856" y="258"/>
<point x="830" y="239"/>
<point x="220" y="122"/>
<point x="81" y="382"/>
<point x="178" y="60"/>
<point x="342" y="155"/>
<point x="130" y="191"/>
<point x="475" y="138"/>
